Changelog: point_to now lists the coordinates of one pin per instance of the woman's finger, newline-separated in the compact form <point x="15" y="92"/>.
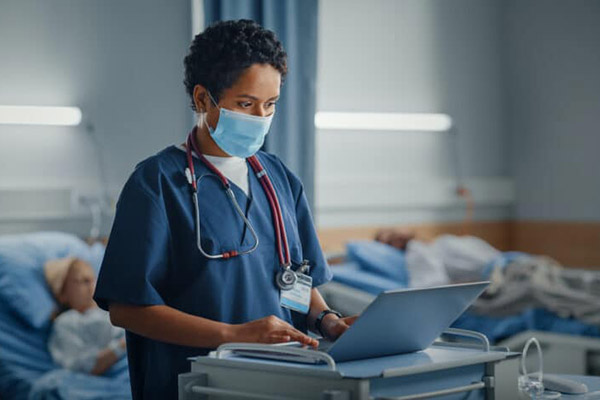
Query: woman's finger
<point x="279" y="339"/>
<point x="282" y="329"/>
<point x="302" y="338"/>
<point x="290" y="331"/>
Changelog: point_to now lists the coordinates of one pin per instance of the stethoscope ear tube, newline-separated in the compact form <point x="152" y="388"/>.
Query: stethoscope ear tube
<point x="231" y="195"/>
<point x="231" y="253"/>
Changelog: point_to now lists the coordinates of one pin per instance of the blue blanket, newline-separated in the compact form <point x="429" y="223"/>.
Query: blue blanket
<point x="61" y="384"/>
<point x="352" y="275"/>
<point x="498" y="328"/>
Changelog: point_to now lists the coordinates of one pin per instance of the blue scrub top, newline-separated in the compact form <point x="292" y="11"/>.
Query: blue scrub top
<point x="152" y="257"/>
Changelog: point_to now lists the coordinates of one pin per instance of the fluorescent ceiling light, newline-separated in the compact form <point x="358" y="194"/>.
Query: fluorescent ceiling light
<point x="383" y="121"/>
<point x="38" y="115"/>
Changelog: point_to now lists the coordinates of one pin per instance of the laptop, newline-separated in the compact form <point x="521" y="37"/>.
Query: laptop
<point x="396" y="322"/>
<point x="403" y="321"/>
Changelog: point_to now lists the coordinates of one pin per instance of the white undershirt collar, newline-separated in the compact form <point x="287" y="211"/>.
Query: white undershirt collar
<point x="234" y="168"/>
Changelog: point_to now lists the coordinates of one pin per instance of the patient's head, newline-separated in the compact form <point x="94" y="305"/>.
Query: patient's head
<point x="78" y="288"/>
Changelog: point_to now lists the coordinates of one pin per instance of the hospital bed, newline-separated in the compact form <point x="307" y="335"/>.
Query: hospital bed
<point x="27" y="370"/>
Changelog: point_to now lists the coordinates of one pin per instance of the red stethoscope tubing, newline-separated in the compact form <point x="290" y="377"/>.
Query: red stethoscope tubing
<point x="283" y="250"/>
<point x="274" y="203"/>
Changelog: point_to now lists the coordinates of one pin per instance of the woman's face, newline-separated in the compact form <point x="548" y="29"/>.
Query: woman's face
<point x="255" y="92"/>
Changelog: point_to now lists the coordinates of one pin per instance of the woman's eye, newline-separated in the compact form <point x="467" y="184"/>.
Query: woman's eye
<point x="270" y="104"/>
<point x="245" y="104"/>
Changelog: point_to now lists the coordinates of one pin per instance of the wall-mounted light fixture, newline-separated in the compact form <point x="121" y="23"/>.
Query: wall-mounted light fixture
<point x="40" y="115"/>
<point x="415" y="122"/>
<point x="429" y="122"/>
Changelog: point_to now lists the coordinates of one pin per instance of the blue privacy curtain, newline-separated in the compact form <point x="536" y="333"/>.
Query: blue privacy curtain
<point x="292" y="134"/>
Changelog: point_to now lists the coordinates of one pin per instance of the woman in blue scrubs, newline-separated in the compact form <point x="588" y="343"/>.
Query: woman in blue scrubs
<point x="179" y="292"/>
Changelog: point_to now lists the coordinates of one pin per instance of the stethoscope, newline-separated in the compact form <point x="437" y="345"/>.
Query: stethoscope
<point x="286" y="278"/>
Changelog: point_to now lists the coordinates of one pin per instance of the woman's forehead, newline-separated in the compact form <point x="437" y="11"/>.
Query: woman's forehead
<point x="259" y="80"/>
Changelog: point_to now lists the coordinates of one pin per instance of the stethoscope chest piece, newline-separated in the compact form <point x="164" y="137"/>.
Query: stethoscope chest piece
<point x="286" y="279"/>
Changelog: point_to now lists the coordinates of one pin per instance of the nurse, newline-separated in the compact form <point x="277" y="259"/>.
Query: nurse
<point x="206" y="233"/>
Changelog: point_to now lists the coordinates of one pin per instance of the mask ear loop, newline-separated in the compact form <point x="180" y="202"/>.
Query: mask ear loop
<point x="212" y="99"/>
<point x="205" y="112"/>
<point x="201" y="119"/>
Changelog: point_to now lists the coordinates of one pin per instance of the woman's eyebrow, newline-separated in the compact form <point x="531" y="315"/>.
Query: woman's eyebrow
<point x="248" y="96"/>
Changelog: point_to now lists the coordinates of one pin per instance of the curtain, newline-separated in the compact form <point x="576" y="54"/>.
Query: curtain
<point x="292" y="134"/>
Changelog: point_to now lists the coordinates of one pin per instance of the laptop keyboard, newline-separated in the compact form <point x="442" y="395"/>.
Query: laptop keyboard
<point x="324" y="345"/>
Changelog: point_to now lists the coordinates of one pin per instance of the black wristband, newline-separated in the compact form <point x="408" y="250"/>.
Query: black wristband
<point x="322" y="315"/>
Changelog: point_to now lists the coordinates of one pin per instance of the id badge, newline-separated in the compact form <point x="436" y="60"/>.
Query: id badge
<point x="298" y="298"/>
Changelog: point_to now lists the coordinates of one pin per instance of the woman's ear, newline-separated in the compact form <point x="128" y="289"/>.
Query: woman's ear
<point x="200" y="98"/>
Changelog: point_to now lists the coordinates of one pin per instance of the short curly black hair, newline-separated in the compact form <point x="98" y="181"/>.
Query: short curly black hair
<point x="220" y="54"/>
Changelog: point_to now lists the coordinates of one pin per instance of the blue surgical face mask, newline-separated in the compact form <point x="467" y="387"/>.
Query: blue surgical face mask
<point x="238" y="134"/>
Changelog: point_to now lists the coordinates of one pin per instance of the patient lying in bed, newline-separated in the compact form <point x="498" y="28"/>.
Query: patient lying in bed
<point x="82" y="337"/>
<point x="519" y="281"/>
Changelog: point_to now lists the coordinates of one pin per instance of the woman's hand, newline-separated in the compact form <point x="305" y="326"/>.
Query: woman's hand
<point x="333" y="327"/>
<point x="269" y="330"/>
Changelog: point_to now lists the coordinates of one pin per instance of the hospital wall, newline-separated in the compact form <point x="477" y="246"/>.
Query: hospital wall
<point x="553" y="113"/>
<point x="553" y="60"/>
<point x="121" y="62"/>
<point x="519" y="78"/>
<point x="422" y="56"/>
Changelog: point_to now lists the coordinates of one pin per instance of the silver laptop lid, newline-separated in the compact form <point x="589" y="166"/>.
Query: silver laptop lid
<point x="403" y="321"/>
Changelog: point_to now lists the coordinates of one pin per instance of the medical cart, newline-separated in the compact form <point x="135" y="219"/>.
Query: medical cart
<point x="445" y="370"/>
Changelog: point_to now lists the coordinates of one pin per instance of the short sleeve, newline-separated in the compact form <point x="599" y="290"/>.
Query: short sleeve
<point x="136" y="258"/>
<point x="311" y="247"/>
